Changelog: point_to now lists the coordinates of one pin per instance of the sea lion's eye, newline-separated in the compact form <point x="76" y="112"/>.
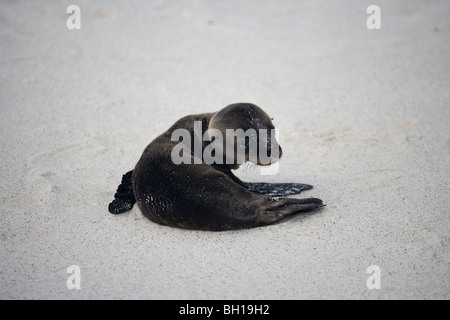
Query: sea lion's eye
<point x="247" y="141"/>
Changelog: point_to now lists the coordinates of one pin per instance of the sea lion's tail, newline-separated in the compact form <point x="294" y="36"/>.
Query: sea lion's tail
<point x="124" y="198"/>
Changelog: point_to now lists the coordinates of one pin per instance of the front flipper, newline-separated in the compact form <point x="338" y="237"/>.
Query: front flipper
<point x="276" y="189"/>
<point x="269" y="189"/>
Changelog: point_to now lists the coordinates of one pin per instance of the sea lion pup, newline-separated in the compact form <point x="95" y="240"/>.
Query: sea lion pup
<point x="202" y="196"/>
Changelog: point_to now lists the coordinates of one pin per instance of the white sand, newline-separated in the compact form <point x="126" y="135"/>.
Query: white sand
<point x="364" y="116"/>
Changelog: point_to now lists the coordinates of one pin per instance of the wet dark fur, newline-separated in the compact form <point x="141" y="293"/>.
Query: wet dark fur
<point x="202" y="196"/>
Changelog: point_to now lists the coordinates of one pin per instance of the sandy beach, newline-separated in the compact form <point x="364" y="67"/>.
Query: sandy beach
<point x="364" y="117"/>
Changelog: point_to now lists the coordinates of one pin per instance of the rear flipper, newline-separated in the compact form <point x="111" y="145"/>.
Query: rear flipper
<point x="278" y="209"/>
<point x="124" y="197"/>
<point x="276" y="189"/>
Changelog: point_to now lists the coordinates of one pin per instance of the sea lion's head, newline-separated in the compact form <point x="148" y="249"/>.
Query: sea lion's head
<point x="248" y="135"/>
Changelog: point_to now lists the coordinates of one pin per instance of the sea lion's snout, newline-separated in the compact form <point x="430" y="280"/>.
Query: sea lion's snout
<point x="280" y="153"/>
<point x="272" y="157"/>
